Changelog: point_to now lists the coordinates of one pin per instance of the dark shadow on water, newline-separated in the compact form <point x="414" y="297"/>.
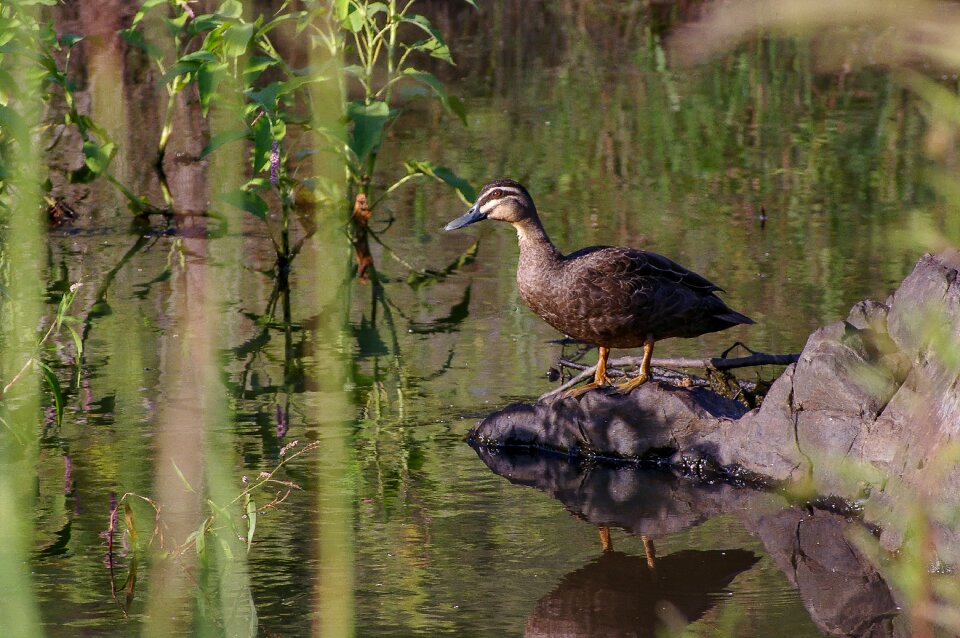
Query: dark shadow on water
<point x="842" y="591"/>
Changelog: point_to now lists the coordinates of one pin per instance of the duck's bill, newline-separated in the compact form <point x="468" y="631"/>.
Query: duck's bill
<point x="472" y="216"/>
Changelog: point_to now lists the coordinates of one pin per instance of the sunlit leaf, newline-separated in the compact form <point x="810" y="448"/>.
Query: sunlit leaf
<point x="236" y="38"/>
<point x="230" y="9"/>
<point x="54" y="384"/>
<point x="368" y="121"/>
<point x="97" y="157"/>
<point x="251" y="521"/>
<point x="250" y="202"/>
<point x="209" y="77"/>
<point x="224" y="137"/>
<point x="376" y="7"/>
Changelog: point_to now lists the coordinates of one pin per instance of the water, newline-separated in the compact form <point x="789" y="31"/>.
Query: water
<point x="433" y="541"/>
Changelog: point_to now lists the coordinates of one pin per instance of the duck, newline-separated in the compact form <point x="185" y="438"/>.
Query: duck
<point x="606" y="296"/>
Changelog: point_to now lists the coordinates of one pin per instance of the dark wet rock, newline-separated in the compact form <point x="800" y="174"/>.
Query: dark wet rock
<point x="873" y="400"/>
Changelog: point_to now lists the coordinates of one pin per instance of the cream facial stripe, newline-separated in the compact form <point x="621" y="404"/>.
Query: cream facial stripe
<point x="488" y="205"/>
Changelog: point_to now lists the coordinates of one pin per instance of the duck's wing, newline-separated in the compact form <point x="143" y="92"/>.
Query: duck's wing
<point x="639" y="266"/>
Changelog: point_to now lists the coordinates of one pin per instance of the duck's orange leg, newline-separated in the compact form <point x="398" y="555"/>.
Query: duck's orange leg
<point x="599" y="377"/>
<point x="644" y="374"/>
<point x="605" y="542"/>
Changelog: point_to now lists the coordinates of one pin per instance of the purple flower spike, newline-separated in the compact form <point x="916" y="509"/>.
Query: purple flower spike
<point x="275" y="163"/>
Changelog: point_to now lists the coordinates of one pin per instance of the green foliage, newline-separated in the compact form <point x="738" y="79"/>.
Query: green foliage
<point x="29" y="46"/>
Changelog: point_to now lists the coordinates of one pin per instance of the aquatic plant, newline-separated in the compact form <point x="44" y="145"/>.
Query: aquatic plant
<point x="211" y="52"/>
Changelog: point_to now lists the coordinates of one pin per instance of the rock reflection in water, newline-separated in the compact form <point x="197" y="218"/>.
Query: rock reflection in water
<point x="622" y="595"/>
<point x="619" y="594"/>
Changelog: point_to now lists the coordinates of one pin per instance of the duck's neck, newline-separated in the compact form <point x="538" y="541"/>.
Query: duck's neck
<point x="535" y="245"/>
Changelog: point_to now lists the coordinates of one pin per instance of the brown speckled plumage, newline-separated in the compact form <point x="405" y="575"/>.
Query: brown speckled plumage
<point x="612" y="297"/>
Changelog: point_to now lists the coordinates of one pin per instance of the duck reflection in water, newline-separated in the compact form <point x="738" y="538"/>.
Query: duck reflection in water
<point x="618" y="594"/>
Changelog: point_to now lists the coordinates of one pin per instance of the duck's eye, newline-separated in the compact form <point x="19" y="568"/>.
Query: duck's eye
<point x="497" y="194"/>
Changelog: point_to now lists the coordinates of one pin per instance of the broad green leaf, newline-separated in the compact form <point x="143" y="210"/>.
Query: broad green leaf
<point x="230" y="9"/>
<point x="250" y="202"/>
<point x="54" y="384"/>
<point x="262" y="144"/>
<point x="224" y="137"/>
<point x="466" y="191"/>
<point x="209" y="77"/>
<point x="97" y="157"/>
<point x="451" y="104"/>
<point x="376" y="7"/>
<point x="368" y="121"/>
<point x="350" y="16"/>
<point x="236" y="38"/>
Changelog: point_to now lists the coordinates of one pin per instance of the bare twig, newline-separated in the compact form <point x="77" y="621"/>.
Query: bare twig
<point x="709" y="363"/>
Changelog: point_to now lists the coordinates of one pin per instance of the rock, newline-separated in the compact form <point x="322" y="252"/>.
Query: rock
<point x="869" y="412"/>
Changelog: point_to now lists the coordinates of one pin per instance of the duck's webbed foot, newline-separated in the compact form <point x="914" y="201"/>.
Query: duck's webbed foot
<point x="644" y="375"/>
<point x="600" y="377"/>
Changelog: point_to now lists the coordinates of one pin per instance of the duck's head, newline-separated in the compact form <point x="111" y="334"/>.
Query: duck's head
<point x="503" y="200"/>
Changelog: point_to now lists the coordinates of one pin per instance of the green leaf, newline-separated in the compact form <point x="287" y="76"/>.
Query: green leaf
<point x="130" y="522"/>
<point x="69" y="39"/>
<point x="262" y="144"/>
<point x="201" y="539"/>
<point x="209" y="77"/>
<point x="251" y="521"/>
<point x="230" y="9"/>
<point x="368" y="121"/>
<point x="183" y="478"/>
<point x="236" y="38"/>
<point x="97" y="157"/>
<point x="435" y="44"/>
<point x="466" y="191"/>
<point x="144" y="9"/>
<point x="350" y="16"/>
<point x="224" y="137"/>
<point x="452" y="105"/>
<point x="54" y="383"/>
<point x="250" y="202"/>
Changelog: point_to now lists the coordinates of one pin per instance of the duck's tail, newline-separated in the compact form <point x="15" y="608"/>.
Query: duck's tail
<point x="733" y="317"/>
